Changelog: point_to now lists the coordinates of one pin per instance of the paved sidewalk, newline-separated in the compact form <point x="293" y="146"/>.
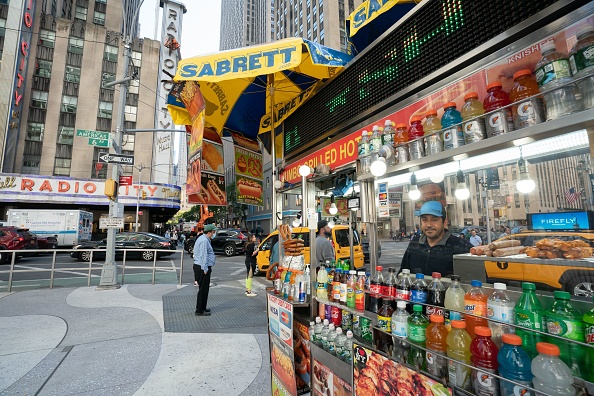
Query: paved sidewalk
<point x="138" y="340"/>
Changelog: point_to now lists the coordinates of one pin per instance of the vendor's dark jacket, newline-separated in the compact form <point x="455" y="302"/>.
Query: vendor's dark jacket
<point x="420" y="257"/>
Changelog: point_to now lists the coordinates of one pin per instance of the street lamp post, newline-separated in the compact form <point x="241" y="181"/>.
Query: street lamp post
<point x="138" y="195"/>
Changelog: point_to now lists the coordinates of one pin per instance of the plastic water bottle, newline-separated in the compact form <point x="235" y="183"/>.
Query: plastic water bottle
<point x="375" y="143"/>
<point x="400" y="330"/>
<point x="388" y="140"/>
<point x="514" y="364"/>
<point x="453" y="136"/>
<point x="551" y="375"/>
<point x="312" y="332"/>
<point x="318" y="331"/>
<point x="553" y="76"/>
<point x="306" y="279"/>
<point x="331" y="339"/>
<point x="348" y="347"/>
<point x="581" y="62"/>
<point x="364" y="151"/>
<point x="500" y="307"/>
<point x="324" y="334"/>
<point x="339" y="349"/>
<point x="454" y="301"/>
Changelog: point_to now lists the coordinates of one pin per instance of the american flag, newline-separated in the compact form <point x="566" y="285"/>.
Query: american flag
<point x="571" y="195"/>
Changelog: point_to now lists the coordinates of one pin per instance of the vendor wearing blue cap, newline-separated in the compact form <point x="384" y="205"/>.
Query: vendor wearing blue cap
<point x="434" y="249"/>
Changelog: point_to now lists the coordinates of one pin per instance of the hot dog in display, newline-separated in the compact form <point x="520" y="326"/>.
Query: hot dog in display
<point x="249" y="188"/>
<point x="215" y="192"/>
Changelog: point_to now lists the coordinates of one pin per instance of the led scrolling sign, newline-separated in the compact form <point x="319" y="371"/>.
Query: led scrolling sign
<point x="435" y="35"/>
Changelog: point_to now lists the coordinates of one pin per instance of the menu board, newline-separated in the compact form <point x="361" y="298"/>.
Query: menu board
<point x="249" y="171"/>
<point x="326" y="383"/>
<point x="283" y="366"/>
<point x="395" y="202"/>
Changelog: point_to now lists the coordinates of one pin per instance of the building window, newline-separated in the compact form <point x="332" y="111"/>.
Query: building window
<point x="267" y="181"/>
<point x="35" y="131"/>
<point x="133" y="88"/>
<point x="65" y="135"/>
<point x="62" y="166"/>
<point x="75" y="45"/>
<point x="72" y="74"/>
<point x="267" y="203"/>
<point x="128" y="143"/>
<point x="43" y="68"/>
<point x="69" y="104"/>
<point x="81" y="13"/>
<point x="39" y="99"/>
<point x="130" y="113"/>
<point x="111" y="53"/>
<point x="47" y="38"/>
<point x="105" y="109"/>
<point x="136" y="58"/>
<point x="107" y="78"/>
<point x="99" y="18"/>
<point x="101" y="1"/>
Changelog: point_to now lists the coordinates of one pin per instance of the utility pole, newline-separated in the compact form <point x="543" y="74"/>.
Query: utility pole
<point x="140" y="168"/>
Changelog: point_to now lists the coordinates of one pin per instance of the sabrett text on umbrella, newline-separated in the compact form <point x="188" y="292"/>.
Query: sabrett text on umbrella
<point x="238" y="63"/>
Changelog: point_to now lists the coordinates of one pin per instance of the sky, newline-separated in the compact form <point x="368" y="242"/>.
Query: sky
<point x="200" y="27"/>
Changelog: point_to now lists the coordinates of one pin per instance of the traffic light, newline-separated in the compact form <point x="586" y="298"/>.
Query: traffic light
<point x="143" y="194"/>
<point x="111" y="189"/>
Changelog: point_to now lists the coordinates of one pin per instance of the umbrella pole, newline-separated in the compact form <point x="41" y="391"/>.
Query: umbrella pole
<point x="274" y="219"/>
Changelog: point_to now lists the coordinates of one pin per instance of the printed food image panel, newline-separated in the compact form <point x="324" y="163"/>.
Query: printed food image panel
<point x="282" y="364"/>
<point x="249" y="191"/>
<point x="326" y="383"/>
<point x="212" y="191"/>
<point x="212" y="157"/>
<point x="248" y="163"/>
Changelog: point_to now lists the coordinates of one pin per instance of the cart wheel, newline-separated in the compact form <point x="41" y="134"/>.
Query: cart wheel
<point x="271" y="271"/>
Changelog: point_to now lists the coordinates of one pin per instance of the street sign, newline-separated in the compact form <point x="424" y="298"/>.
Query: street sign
<point x="99" y="142"/>
<point x="92" y="134"/>
<point x="117" y="159"/>
<point x="111" y="222"/>
<point x="125" y="180"/>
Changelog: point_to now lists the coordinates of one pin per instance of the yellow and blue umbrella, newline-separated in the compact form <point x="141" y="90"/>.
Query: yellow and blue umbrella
<point x="241" y="86"/>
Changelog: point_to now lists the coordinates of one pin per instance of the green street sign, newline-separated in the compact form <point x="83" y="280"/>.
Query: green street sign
<point x="99" y="142"/>
<point x="92" y="134"/>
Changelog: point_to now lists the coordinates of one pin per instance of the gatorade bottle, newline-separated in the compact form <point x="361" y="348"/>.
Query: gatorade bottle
<point x="551" y="375"/>
<point x="417" y="328"/>
<point x="589" y="331"/>
<point x="459" y="349"/>
<point x="388" y="140"/>
<point x="434" y="141"/>
<point x="475" y="303"/>
<point x="500" y="307"/>
<point x="484" y="358"/>
<point x="529" y="111"/>
<point x="553" y="76"/>
<point x="435" y="295"/>
<point x="360" y="291"/>
<point x="416" y="147"/>
<point x="351" y="284"/>
<point x="498" y="122"/>
<point x="474" y="130"/>
<point x="582" y="63"/>
<point x="364" y="152"/>
<point x="322" y="283"/>
<point x="564" y="320"/>
<point x="453" y="136"/>
<point x="514" y="364"/>
<point x="454" y="301"/>
<point x="437" y="347"/>
<point x="529" y="314"/>
<point x="400" y="144"/>
<point x="403" y="291"/>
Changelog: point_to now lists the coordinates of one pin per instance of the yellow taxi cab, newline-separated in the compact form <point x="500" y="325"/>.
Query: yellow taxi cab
<point x="340" y="241"/>
<point x="574" y="276"/>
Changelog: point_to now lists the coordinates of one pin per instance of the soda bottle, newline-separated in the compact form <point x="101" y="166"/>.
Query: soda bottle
<point x="318" y="331"/>
<point x="331" y="339"/>
<point x="360" y="291"/>
<point x="384" y="315"/>
<point x="322" y="279"/>
<point x="527" y="112"/>
<point x="351" y="282"/>
<point x="336" y="315"/>
<point x="400" y="144"/>
<point x="400" y="331"/>
<point x="564" y="320"/>
<point x="459" y="349"/>
<point x="529" y="314"/>
<point x="454" y="301"/>
<point x="553" y="76"/>
<point x="416" y="147"/>
<point x="433" y="140"/>
<point x="390" y="284"/>
<point x="347" y="321"/>
<point x="339" y="344"/>
<point x="589" y="333"/>
<point x="388" y="140"/>
<point x="514" y="364"/>
<point x="551" y="374"/>
<point x="497" y="122"/>
<point x="475" y="303"/>
<point x="403" y="289"/>
<point x="484" y="358"/>
<point x="451" y="121"/>
<point x="418" y="290"/>
<point x="500" y="307"/>
<point x="336" y="286"/>
<point x="417" y="328"/>
<point x="348" y="347"/>
<point x="330" y="284"/>
<point x="321" y="310"/>
<point x="364" y="152"/>
<point x="437" y="347"/>
<point x="375" y="288"/>
<point x="343" y="286"/>
<point x="324" y="334"/>
<point x="435" y="295"/>
<point x="474" y="130"/>
<point x="582" y="63"/>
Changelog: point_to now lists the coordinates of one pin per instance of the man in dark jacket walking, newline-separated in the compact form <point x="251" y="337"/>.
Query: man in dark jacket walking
<point x="433" y="250"/>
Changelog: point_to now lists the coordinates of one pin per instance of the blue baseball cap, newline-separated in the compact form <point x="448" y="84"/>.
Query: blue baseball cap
<point x="433" y="208"/>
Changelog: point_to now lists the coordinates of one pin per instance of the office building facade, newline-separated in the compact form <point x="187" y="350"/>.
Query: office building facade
<point x="244" y="23"/>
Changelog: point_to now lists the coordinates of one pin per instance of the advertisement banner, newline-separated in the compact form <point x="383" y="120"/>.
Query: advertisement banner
<point x="394" y="375"/>
<point x="395" y="202"/>
<point x="277" y="387"/>
<point x="326" y="383"/>
<point x="193" y="181"/>
<point x="302" y="357"/>
<point x="250" y="191"/>
<point x="283" y="366"/>
<point x="341" y="205"/>
<point x="212" y="190"/>
<point x="197" y="135"/>
<point x="248" y="163"/>
<point x="280" y="319"/>
<point x="212" y="157"/>
<point x="382" y="195"/>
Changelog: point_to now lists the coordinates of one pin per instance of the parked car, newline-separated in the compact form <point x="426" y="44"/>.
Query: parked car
<point x="365" y="246"/>
<point x="229" y="241"/>
<point x="15" y="238"/>
<point x="138" y="245"/>
<point x="46" y="242"/>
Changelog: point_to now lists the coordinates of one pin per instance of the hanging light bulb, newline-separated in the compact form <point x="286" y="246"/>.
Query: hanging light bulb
<point x="305" y="170"/>
<point x="462" y="192"/>
<point x="380" y="165"/>
<point x="278" y="184"/>
<point x="524" y="184"/>
<point x="413" y="191"/>
<point x="333" y="209"/>
<point x="437" y="177"/>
